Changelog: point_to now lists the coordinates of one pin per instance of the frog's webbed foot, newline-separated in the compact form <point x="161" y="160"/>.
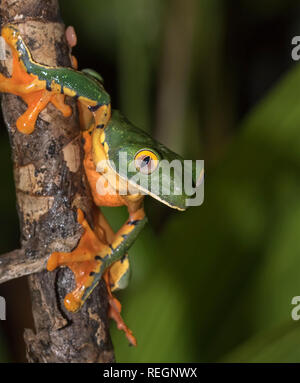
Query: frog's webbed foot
<point x="84" y="261"/>
<point x="36" y="102"/>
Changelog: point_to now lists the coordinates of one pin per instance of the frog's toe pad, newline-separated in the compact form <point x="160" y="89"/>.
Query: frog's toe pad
<point x="72" y="303"/>
<point x="25" y="125"/>
<point x="66" y="111"/>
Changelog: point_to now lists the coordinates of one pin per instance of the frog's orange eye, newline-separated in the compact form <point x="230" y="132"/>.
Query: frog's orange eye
<point x="146" y="161"/>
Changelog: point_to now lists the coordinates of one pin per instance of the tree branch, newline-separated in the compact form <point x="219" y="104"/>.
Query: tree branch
<point x="16" y="264"/>
<point x="50" y="186"/>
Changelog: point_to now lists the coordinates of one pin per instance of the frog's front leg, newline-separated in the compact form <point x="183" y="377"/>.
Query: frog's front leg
<point x="93" y="257"/>
<point x="119" y="272"/>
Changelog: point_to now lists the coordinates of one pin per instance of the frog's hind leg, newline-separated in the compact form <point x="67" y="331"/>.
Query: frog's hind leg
<point x="21" y="82"/>
<point x="36" y="102"/>
<point x="30" y="90"/>
<point x="29" y="87"/>
<point x="119" y="272"/>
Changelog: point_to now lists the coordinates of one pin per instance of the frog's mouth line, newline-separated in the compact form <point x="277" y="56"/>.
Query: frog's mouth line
<point x="155" y="196"/>
<point x="139" y="188"/>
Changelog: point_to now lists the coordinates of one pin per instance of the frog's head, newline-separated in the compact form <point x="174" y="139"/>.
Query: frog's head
<point x="142" y="165"/>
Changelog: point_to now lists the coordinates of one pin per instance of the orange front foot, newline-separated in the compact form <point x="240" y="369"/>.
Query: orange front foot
<point x="87" y="264"/>
<point x="83" y="261"/>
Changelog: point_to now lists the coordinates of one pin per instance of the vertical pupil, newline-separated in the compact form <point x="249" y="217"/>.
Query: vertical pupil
<point x="146" y="161"/>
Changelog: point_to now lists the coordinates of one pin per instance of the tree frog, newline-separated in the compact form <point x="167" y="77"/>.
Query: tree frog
<point x="119" y="161"/>
<point x="39" y="84"/>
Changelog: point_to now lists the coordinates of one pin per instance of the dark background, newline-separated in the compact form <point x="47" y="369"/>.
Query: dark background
<point x="212" y="80"/>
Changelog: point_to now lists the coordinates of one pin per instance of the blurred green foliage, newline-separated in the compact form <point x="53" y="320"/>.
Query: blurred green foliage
<point x="214" y="283"/>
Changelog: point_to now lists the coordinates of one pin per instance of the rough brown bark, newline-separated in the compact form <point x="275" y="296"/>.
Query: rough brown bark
<point x="50" y="186"/>
<point x="16" y="264"/>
